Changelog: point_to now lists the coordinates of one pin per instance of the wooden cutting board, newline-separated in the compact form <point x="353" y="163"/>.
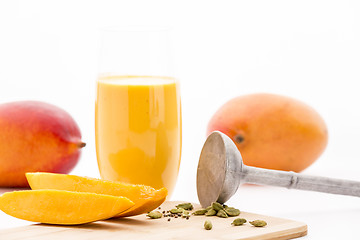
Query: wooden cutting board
<point x="141" y="227"/>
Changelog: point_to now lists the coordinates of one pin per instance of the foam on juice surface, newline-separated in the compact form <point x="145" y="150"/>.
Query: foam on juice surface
<point x="136" y="80"/>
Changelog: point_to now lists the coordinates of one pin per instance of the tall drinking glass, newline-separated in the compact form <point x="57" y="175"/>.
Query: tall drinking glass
<point x="138" y="112"/>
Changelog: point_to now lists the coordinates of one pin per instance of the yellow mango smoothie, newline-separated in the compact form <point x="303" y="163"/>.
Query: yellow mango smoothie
<point x="138" y="129"/>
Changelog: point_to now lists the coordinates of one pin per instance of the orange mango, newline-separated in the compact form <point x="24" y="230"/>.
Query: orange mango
<point x="36" y="136"/>
<point x="272" y="131"/>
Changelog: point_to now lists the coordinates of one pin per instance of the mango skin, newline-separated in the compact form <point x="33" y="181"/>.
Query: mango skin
<point x="272" y="131"/>
<point x="36" y="136"/>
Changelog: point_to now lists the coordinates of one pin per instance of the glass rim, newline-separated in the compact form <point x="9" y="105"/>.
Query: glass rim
<point x="134" y="28"/>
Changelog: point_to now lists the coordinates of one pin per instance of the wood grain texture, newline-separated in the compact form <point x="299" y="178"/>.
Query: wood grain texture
<point x="140" y="227"/>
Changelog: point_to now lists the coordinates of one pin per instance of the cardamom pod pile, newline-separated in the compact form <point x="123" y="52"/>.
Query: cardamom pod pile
<point x="181" y="210"/>
<point x="215" y="209"/>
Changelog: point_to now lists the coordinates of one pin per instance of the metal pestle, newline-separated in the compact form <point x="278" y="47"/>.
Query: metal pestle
<point x="221" y="171"/>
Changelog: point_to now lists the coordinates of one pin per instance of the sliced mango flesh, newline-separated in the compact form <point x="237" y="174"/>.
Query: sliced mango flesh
<point x="145" y="198"/>
<point x="146" y="205"/>
<point x="62" y="207"/>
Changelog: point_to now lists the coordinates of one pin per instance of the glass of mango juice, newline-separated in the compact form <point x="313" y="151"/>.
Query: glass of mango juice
<point x="137" y="109"/>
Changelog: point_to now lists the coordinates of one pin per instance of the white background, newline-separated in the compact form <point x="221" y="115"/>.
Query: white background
<point x="305" y="49"/>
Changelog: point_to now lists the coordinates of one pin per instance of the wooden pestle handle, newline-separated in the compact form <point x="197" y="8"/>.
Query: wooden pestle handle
<point x="299" y="181"/>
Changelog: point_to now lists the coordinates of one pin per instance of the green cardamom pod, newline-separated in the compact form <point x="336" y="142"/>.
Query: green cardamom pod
<point x="177" y="210"/>
<point x="232" y="212"/>
<point x="211" y="212"/>
<point x="186" y="206"/>
<point x="217" y="206"/>
<point x="208" y="225"/>
<point x="154" y="214"/>
<point x="185" y="214"/>
<point x="222" y="213"/>
<point x="208" y="208"/>
<point x="238" y="221"/>
<point x="201" y="211"/>
<point x="258" y="223"/>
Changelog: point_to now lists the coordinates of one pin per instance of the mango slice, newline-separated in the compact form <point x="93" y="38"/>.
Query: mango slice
<point x="145" y="205"/>
<point x="145" y="198"/>
<point x="62" y="207"/>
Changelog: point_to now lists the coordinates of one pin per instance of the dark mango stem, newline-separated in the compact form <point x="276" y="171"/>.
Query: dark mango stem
<point x="81" y="144"/>
<point x="239" y="138"/>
